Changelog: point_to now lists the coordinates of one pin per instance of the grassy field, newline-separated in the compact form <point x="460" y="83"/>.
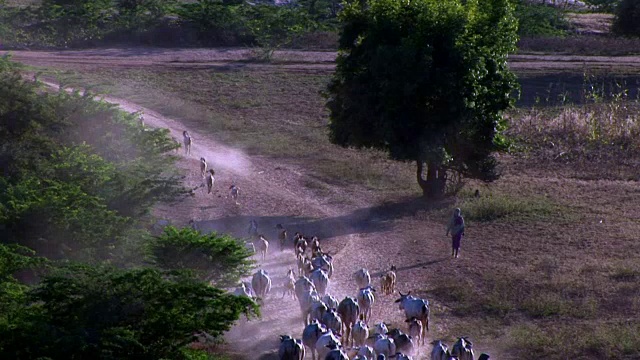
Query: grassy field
<point x="554" y="270"/>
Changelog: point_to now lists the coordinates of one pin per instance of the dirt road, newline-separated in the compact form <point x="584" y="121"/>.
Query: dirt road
<point x="286" y="59"/>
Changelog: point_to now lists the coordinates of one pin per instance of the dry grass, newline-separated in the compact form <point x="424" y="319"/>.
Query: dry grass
<point x="549" y="263"/>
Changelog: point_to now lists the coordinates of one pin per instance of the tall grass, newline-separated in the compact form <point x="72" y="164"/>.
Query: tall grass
<point x="606" y="124"/>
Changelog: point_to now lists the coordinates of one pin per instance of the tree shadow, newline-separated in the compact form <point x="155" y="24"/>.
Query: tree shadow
<point x="369" y="220"/>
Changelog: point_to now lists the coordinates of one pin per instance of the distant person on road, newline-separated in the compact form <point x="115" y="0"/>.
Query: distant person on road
<point x="456" y="228"/>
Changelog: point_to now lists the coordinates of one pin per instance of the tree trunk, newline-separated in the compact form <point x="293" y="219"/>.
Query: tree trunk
<point x="434" y="185"/>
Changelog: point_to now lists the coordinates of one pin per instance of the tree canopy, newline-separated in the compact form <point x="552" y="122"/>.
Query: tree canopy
<point x="217" y="258"/>
<point x="426" y="81"/>
<point x="89" y="312"/>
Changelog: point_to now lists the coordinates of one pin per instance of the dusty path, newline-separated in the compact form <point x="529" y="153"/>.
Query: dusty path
<point x="285" y="59"/>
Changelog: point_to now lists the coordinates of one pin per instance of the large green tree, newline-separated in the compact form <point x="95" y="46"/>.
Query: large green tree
<point x="101" y="312"/>
<point x="426" y="81"/>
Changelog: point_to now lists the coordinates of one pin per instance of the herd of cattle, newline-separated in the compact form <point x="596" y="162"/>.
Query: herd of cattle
<point x="339" y="330"/>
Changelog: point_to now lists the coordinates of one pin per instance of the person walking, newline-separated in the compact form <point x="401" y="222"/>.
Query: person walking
<point x="456" y="228"/>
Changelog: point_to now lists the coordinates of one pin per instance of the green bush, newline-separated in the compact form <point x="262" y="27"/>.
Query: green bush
<point x="627" y="18"/>
<point x="540" y="19"/>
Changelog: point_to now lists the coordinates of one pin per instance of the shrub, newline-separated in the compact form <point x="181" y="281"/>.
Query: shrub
<point x="627" y="18"/>
<point x="540" y="19"/>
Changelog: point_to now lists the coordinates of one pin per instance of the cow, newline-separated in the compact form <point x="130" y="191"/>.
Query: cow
<point x="462" y="349"/>
<point x="336" y="353"/>
<point x="318" y="309"/>
<point x="404" y="343"/>
<point x="332" y="303"/>
<point x="302" y="285"/>
<point x="320" y="280"/>
<point x="332" y="320"/>
<point x="290" y="348"/>
<point x="440" y="350"/>
<point x="324" y="262"/>
<point x="327" y="338"/>
<point x="360" y="333"/>
<point x="484" y="356"/>
<point x="306" y="300"/>
<point x="385" y="346"/>
<point x="362" y="277"/>
<point x="415" y="308"/>
<point x="349" y="311"/>
<point x="311" y="334"/>
<point x="381" y="328"/>
<point x="415" y="330"/>
<point x="261" y="284"/>
<point x="373" y="338"/>
<point x="365" y="301"/>
<point x="401" y="356"/>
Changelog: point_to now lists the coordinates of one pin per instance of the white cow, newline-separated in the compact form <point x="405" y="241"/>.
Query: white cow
<point x="324" y="262"/>
<point x="261" y="284"/>
<point x="363" y="279"/>
<point x="321" y="280"/>
<point x="385" y="346"/>
<point x="302" y="285"/>
<point x="306" y="301"/>
<point x="365" y="301"/>
<point x="415" y="308"/>
<point x="325" y="340"/>
<point x="360" y="333"/>
<point x="404" y="343"/>
<point x="243" y="290"/>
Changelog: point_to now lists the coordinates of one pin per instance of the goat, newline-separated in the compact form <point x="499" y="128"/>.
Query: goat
<point x="363" y="279"/>
<point x="415" y="330"/>
<point x="349" y="311"/>
<point x="203" y="166"/>
<point x="311" y="334"/>
<point x="290" y="348"/>
<point x="187" y="142"/>
<point x="261" y="284"/>
<point x="282" y="236"/>
<point x="210" y="181"/>
<point x="251" y="247"/>
<point x="388" y="281"/>
<point x="365" y="301"/>
<point x="234" y="191"/>
<point x="417" y="308"/>
<point x="141" y="118"/>
<point x="289" y="284"/>
<point x="262" y="245"/>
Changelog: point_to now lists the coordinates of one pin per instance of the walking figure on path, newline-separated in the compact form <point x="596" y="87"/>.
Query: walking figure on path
<point x="456" y="228"/>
